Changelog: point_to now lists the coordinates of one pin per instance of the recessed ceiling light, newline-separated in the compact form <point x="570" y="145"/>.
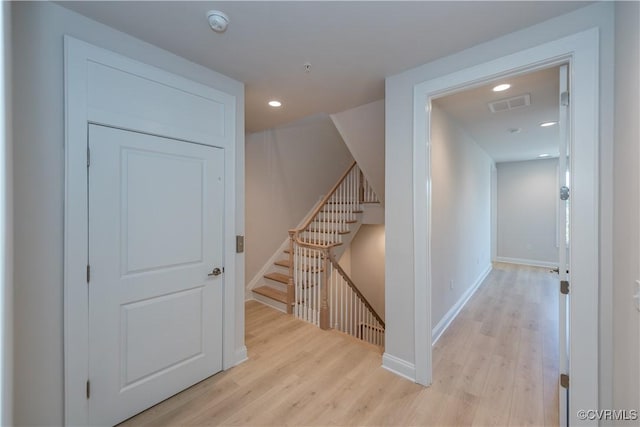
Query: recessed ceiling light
<point x="275" y="103"/>
<point x="542" y="156"/>
<point x="547" y="124"/>
<point x="501" y="87"/>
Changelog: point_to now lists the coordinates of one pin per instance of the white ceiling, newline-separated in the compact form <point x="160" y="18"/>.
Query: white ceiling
<point x="352" y="46"/>
<point x="491" y="130"/>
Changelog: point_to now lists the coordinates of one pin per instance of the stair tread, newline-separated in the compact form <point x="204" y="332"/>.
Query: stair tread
<point x="278" y="277"/>
<point x="314" y="230"/>
<point x="286" y="251"/>
<point x="337" y="221"/>
<point x="323" y="242"/>
<point x="285" y="263"/>
<point x="342" y="212"/>
<point x="272" y="293"/>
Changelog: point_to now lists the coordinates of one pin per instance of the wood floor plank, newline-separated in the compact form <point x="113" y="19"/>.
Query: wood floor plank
<point x="496" y="365"/>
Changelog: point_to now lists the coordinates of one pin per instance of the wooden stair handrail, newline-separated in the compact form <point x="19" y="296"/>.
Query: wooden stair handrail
<point x="354" y="287"/>
<point x="324" y="201"/>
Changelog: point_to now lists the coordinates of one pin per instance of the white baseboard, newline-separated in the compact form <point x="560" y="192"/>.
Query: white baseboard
<point x="446" y="320"/>
<point x="276" y="305"/>
<point x="399" y="367"/>
<point x="241" y="355"/>
<point x="531" y="262"/>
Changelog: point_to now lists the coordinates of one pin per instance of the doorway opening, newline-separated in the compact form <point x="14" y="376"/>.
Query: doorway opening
<point x="495" y="238"/>
<point x="580" y="52"/>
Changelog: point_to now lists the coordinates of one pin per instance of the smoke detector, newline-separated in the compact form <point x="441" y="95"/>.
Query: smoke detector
<point x="218" y="21"/>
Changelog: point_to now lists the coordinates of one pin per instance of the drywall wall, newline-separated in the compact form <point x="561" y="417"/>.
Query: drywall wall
<point x="6" y="227"/>
<point x="345" y="260"/>
<point x="362" y="129"/>
<point x="527" y="212"/>
<point x="626" y="208"/>
<point x="288" y="170"/>
<point x="38" y="161"/>
<point x="399" y="98"/>
<point x="367" y="264"/>
<point x="461" y="212"/>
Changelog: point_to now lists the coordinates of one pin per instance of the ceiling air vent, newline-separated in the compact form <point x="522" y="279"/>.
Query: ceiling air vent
<point x="510" y="103"/>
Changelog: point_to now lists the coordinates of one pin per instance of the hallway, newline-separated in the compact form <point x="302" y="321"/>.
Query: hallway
<point x="495" y="365"/>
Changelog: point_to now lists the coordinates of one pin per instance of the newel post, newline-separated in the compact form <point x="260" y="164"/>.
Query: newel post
<point x="290" y="287"/>
<point x="324" y="303"/>
<point x="361" y="188"/>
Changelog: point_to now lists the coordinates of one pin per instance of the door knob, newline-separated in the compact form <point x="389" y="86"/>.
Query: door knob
<point x="216" y="272"/>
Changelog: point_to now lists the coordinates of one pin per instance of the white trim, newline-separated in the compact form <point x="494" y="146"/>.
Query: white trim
<point x="6" y="226"/>
<point x="530" y="262"/>
<point x="399" y="366"/>
<point x="581" y="51"/>
<point x="449" y="317"/>
<point x="77" y="55"/>
<point x="241" y="355"/>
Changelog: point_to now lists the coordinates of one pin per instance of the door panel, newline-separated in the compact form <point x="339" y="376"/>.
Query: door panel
<point x="153" y="342"/>
<point x="155" y="232"/>
<point x="174" y="230"/>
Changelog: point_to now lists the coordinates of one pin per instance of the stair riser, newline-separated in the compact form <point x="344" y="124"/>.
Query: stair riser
<point x="275" y="285"/>
<point x="271" y="303"/>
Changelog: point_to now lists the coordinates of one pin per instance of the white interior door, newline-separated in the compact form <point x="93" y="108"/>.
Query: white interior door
<point x="155" y="236"/>
<point x="564" y="237"/>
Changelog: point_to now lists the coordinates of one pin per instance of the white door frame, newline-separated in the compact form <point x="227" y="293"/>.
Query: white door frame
<point x="581" y="51"/>
<point x="79" y="111"/>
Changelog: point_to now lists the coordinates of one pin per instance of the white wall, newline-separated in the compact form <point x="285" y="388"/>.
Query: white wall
<point x="527" y="212"/>
<point x="38" y="161"/>
<point x="461" y="212"/>
<point x="367" y="264"/>
<point x="400" y="332"/>
<point x="6" y="250"/>
<point x="345" y="260"/>
<point x="627" y="207"/>
<point x="362" y="129"/>
<point x="288" y="170"/>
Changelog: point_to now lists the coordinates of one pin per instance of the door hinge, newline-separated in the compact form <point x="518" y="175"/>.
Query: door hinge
<point x="88" y="156"/>
<point x="564" y="287"/>
<point x="564" y="381"/>
<point x="88" y="389"/>
<point x="564" y="98"/>
<point x="88" y="273"/>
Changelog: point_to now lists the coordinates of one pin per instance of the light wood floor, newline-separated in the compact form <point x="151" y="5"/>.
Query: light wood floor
<point x="495" y="365"/>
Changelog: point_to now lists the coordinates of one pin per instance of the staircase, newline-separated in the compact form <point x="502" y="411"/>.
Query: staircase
<point x="308" y="282"/>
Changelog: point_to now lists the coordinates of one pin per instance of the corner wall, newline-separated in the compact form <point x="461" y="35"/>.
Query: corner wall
<point x="6" y="227"/>
<point x="38" y="162"/>
<point x="527" y="212"/>
<point x="461" y="213"/>
<point x="362" y="129"/>
<point x="288" y="170"/>
<point x="626" y="249"/>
